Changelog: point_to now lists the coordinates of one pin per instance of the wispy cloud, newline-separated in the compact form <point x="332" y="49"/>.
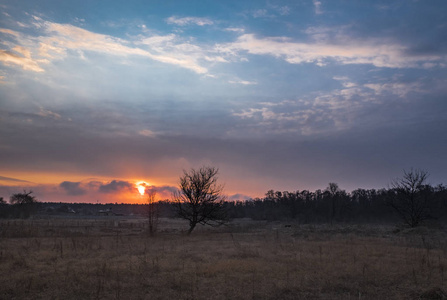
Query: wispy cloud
<point x="59" y="38"/>
<point x="48" y="114"/>
<point x="235" y="29"/>
<point x="10" y="32"/>
<point x="283" y="10"/>
<point x="21" y="57"/>
<point x="71" y="37"/>
<point x="351" y="51"/>
<point x="188" y="21"/>
<point x="243" y="82"/>
<point x="317" y="5"/>
<point x="12" y="179"/>
<point x="157" y="40"/>
<point x="399" y="89"/>
<point x="332" y="111"/>
<point x="259" y="13"/>
<point x="345" y="81"/>
<point x="147" y="133"/>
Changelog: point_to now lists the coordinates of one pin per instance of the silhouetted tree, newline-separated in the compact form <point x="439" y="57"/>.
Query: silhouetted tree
<point x="411" y="196"/>
<point x="200" y="199"/>
<point x="152" y="213"/>
<point x="3" y="208"/>
<point x="23" y="198"/>
<point x="25" y="202"/>
<point x="332" y="190"/>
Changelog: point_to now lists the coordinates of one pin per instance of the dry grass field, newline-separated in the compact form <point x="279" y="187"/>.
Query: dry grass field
<point x="114" y="258"/>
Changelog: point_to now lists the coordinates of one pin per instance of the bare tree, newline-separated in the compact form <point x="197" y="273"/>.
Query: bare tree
<point x="152" y="213"/>
<point x="199" y="199"/>
<point x="333" y="192"/>
<point x="411" y="197"/>
<point x="4" y="209"/>
<point x="25" y="202"/>
<point x="23" y="198"/>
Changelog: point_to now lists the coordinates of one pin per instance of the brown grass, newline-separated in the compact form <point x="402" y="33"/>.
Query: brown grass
<point x="116" y="259"/>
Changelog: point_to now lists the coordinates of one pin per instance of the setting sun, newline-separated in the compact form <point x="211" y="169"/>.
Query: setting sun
<point x="141" y="186"/>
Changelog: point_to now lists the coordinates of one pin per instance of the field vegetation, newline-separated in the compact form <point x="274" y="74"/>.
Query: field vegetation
<point x="117" y="258"/>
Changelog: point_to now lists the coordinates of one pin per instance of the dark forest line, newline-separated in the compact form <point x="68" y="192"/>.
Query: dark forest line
<point x="331" y="205"/>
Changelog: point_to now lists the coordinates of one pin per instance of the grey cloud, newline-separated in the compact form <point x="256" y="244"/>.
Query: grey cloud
<point x="429" y="48"/>
<point x="422" y="35"/>
<point x="43" y="192"/>
<point x="115" y="186"/>
<point x="390" y="137"/>
<point x="72" y="188"/>
<point x="160" y="189"/>
<point x="94" y="184"/>
<point x="360" y="157"/>
<point x="163" y="192"/>
<point x="239" y="197"/>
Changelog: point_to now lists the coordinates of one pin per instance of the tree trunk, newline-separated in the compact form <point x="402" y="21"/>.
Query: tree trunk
<point x="192" y="225"/>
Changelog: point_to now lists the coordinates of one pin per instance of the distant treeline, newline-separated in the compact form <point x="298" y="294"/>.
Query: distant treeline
<point x="335" y="205"/>
<point x="331" y="205"/>
<point x="43" y="209"/>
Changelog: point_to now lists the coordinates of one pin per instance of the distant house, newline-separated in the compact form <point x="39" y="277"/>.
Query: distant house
<point x="106" y="212"/>
<point x="65" y="209"/>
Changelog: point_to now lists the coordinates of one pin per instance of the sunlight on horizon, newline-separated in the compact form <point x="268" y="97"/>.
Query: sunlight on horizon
<point x="141" y="186"/>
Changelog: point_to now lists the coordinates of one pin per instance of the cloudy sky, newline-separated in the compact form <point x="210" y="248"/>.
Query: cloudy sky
<point x="96" y="96"/>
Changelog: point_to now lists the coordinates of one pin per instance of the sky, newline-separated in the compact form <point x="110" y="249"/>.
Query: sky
<point x="99" y="96"/>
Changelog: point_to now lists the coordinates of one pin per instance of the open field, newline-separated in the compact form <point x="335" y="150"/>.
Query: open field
<point x="114" y="258"/>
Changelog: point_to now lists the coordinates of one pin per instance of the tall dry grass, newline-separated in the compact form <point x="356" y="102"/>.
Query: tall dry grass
<point x="116" y="259"/>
